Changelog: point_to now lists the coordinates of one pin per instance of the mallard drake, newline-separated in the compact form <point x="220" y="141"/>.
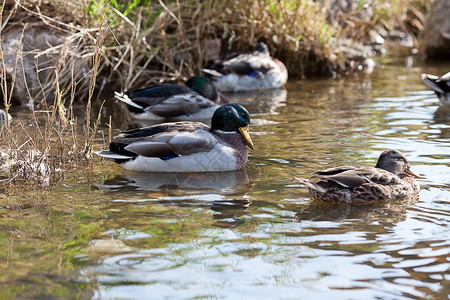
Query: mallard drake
<point x="193" y="100"/>
<point x="186" y="146"/>
<point x="440" y="85"/>
<point x="389" y="179"/>
<point x="255" y="70"/>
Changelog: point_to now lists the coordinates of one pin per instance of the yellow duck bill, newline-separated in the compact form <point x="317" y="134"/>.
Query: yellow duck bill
<point x="246" y="135"/>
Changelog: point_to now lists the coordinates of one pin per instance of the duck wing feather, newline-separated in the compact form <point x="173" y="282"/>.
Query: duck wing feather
<point x="353" y="176"/>
<point x="438" y="84"/>
<point x="157" y="91"/>
<point x="252" y="63"/>
<point x="182" y="104"/>
<point x="166" y="141"/>
<point x="152" y="95"/>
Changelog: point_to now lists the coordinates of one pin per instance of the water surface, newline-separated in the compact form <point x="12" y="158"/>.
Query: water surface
<point x="253" y="233"/>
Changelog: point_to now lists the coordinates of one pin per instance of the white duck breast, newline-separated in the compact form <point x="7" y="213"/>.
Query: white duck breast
<point x="219" y="158"/>
<point x="197" y="151"/>
<point x="235" y="83"/>
<point x="267" y="73"/>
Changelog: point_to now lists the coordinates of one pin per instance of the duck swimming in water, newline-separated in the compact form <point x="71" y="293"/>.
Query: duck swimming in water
<point x="391" y="178"/>
<point x="187" y="146"/>
<point x="196" y="99"/>
<point x="255" y="70"/>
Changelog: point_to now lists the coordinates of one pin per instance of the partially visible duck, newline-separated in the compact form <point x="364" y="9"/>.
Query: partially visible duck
<point x="389" y="179"/>
<point x="440" y="85"/>
<point x="193" y="100"/>
<point x="187" y="146"/>
<point x="255" y="70"/>
<point x="3" y="116"/>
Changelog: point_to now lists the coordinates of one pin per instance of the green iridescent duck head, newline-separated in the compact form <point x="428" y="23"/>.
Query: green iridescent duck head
<point x="204" y="87"/>
<point x="233" y="117"/>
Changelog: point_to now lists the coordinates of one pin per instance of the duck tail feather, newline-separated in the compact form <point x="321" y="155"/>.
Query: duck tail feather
<point x="310" y="184"/>
<point x="111" y="155"/>
<point x="430" y="80"/>
<point x="213" y="73"/>
<point x="125" y="99"/>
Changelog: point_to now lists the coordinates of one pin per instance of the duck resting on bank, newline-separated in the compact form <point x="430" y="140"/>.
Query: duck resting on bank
<point x="187" y="146"/>
<point x="255" y="70"/>
<point x="440" y="85"/>
<point x="195" y="99"/>
<point x="389" y="179"/>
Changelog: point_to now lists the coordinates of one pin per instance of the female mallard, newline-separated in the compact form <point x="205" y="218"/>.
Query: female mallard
<point x="187" y="146"/>
<point x="255" y="70"/>
<point x="387" y="180"/>
<point x="440" y="85"/>
<point x="195" y="99"/>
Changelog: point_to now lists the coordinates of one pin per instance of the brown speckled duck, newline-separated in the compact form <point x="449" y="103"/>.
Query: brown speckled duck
<point x="389" y="179"/>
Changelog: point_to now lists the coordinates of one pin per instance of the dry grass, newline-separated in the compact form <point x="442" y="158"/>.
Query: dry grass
<point x="53" y="140"/>
<point x="165" y="40"/>
<point x="159" y="42"/>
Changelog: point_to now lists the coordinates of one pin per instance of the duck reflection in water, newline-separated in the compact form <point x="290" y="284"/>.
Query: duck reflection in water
<point x="209" y="189"/>
<point x="380" y="212"/>
<point x="261" y="102"/>
<point x="442" y="116"/>
<point x="206" y="182"/>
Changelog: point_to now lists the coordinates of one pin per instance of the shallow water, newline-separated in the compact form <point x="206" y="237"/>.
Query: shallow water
<point x="253" y="233"/>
